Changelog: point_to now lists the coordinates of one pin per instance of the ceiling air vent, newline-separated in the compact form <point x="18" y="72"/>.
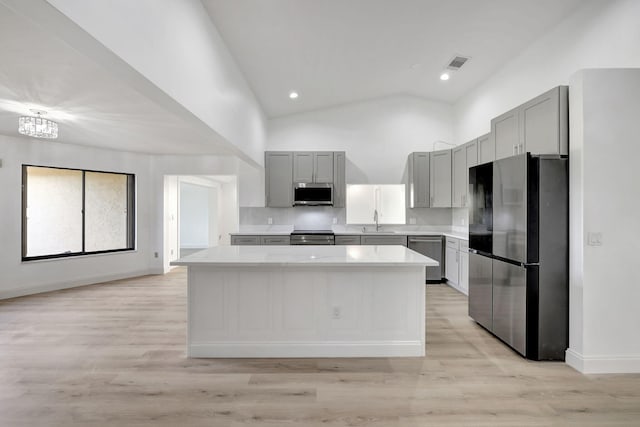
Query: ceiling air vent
<point x="457" y="62"/>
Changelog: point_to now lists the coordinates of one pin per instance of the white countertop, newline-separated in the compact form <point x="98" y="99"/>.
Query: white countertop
<point x="306" y="255"/>
<point x="277" y="230"/>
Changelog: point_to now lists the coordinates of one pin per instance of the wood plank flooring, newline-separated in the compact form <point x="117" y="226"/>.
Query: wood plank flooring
<point x="114" y="355"/>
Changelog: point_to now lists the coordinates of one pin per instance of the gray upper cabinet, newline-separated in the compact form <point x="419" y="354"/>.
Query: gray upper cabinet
<point x="311" y="166"/>
<point x="486" y="149"/>
<point x="278" y="179"/>
<point x="539" y="126"/>
<point x="440" y="179"/>
<point x="544" y="123"/>
<point x="471" y="154"/>
<point x="418" y="180"/>
<point x="339" y="179"/>
<point x="459" y="176"/>
<point x="505" y="131"/>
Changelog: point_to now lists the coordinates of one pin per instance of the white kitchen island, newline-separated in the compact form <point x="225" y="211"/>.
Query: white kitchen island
<point x="306" y="301"/>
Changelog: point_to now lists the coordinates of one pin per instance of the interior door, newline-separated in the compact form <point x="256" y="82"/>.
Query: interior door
<point x="481" y="290"/>
<point x="510" y="208"/>
<point x="510" y="304"/>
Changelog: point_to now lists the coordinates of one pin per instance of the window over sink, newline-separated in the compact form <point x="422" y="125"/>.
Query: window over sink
<point x="365" y="199"/>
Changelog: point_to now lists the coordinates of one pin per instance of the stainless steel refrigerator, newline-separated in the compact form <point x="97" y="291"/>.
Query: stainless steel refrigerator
<point x="519" y="253"/>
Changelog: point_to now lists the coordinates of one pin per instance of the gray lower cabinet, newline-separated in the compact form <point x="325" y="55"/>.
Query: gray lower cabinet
<point x="348" y="240"/>
<point x="486" y="149"/>
<point x="245" y="240"/>
<point x="278" y="179"/>
<point x="275" y="240"/>
<point x="440" y="179"/>
<point x="383" y="240"/>
<point x="418" y="180"/>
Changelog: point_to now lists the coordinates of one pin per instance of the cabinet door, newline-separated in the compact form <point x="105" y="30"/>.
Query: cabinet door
<point x="323" y="167"/>
<point x="245" y="240"/>
<point x="463" y="271"/>
<point x="451" y="265"/>
<point x="418" y="185"/>
<point x="459" y="176"/>
<point x="339" y="180"/>
<point x="383" y="240"/>
<point x="279" y="179"/>
<point x="486" y="149"/>
<point x="347" y="240"/>
<point x="506" y="135"/>
<point x="541" y="131"/>
<point x="471" y="151"/>
<point x="303" y="166"/>
<point x="275" y="240"/>
<point x="440" y="179"/>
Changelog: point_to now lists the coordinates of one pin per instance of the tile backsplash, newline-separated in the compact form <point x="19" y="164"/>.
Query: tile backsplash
<point x="325" y="216"/>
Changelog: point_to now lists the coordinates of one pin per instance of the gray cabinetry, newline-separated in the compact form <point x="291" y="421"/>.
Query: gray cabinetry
<point x="383" y="240"/>
<point x="418" y="180"/>
<point x="505" y="131"/>
<point x="275" y="240"/>
<point x="452" y="258"/>
<point x="440" y="179"/>
<point x="313" y="166"/>
<point x="245" y="240"/>
<point x="278" y="179"/>
<point x="348" y="240"/>
<point x="339" y="179"/>
<point x="471" y="156"/>
<point x="544" y="122"/>
<point x="486" y="149"/>
<point x="459" y="176"/>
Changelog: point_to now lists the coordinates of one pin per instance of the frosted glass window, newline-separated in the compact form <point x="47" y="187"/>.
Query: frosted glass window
<point x="363" y="200"/>
<point x="69" y="212"/>
<point x="105" y="211"/>
<point x="53" y="217"/>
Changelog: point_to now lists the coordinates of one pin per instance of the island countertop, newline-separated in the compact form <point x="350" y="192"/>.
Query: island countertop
<point x="306" y="255"/>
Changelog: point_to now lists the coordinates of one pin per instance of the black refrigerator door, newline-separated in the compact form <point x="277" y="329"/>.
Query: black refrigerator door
<point x="510" y="304"/>
<point x="481" y="211"/>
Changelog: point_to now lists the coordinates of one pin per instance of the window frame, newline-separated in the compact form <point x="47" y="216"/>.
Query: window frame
<point x="131" y="215"/>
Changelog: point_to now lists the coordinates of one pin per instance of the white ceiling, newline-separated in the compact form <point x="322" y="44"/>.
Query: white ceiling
<point x="339" y="51"/>
<point x="91" y="106"/>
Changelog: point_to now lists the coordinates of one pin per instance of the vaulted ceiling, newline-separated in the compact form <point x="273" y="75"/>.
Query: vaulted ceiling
<point x="338" y="51"/>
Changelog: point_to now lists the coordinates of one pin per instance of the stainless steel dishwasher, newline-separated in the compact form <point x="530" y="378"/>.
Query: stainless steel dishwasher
<point x="432" y="247"/>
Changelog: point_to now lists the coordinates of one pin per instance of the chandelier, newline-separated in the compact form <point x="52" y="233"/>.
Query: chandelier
<point x="37" y="126"/>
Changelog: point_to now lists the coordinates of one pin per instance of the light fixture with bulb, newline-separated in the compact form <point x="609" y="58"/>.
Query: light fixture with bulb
<point x="444" y="76"/>
<point x="37" y="126"/>
<point x="293" y="94"/>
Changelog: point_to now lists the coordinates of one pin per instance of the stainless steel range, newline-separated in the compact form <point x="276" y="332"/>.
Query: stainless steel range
<point x="313" y="237"/>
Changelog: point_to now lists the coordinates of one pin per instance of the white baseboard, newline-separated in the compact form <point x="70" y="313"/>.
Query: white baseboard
<point x="457" y="287"/>
<point x="603" y="364"/>
<point x="57" y="286"/>
<point x="310" y="349"/>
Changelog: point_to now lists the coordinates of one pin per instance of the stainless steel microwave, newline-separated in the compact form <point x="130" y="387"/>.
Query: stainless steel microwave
<point x="312" y="194"/>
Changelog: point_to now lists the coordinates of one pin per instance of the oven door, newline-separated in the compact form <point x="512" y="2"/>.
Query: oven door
<point x="305" y="194"/>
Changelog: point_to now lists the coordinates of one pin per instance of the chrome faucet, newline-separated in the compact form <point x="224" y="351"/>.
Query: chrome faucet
<point x="375" y="218"/>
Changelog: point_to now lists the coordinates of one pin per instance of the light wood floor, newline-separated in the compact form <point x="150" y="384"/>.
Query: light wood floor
<point x="114" y="355"/>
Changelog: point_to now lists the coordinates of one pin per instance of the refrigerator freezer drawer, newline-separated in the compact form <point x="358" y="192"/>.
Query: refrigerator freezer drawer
<point x="510" y="304"/>
<point x="480" y="289"/>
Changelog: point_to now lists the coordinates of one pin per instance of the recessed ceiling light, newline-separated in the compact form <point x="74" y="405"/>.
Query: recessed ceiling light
<point x="415" y="66"/>
<point x="444" y="76"/>
<point x="293" y="95"/>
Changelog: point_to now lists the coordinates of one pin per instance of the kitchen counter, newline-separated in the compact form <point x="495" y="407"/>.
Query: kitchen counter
<point x="306" y="301"/>
<point x="276" y="230"/>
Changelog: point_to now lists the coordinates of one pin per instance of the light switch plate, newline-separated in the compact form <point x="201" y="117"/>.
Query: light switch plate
<point x="335" y="220"/>
<point x="269" y="220"/>
<point x="594" y="238"/>
<point x="412" y="221"/>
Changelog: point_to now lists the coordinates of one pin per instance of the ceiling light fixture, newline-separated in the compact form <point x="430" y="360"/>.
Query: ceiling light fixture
<point x="37" y="126"/>
<point x="293" y="95"/>
<point x="444" y="76"/>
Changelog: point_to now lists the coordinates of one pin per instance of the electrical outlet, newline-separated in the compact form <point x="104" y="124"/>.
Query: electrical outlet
<point x="336" y="312"/>
<point x="594" y="238"/>
<point x="270" y="221"/>
<point x="412" y="221"/>
<point x="335" y="220"/>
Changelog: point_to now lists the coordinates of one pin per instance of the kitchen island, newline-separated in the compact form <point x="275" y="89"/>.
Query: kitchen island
<point x="306" y="301"/>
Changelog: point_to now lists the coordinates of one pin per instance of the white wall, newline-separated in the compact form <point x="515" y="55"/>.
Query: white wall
<point x="176" y="46"/>
<point x="377" y="135"/>
<point x="599" y="34"/>
<point x="194" y="215"/>
<point x="604" y="280"/>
